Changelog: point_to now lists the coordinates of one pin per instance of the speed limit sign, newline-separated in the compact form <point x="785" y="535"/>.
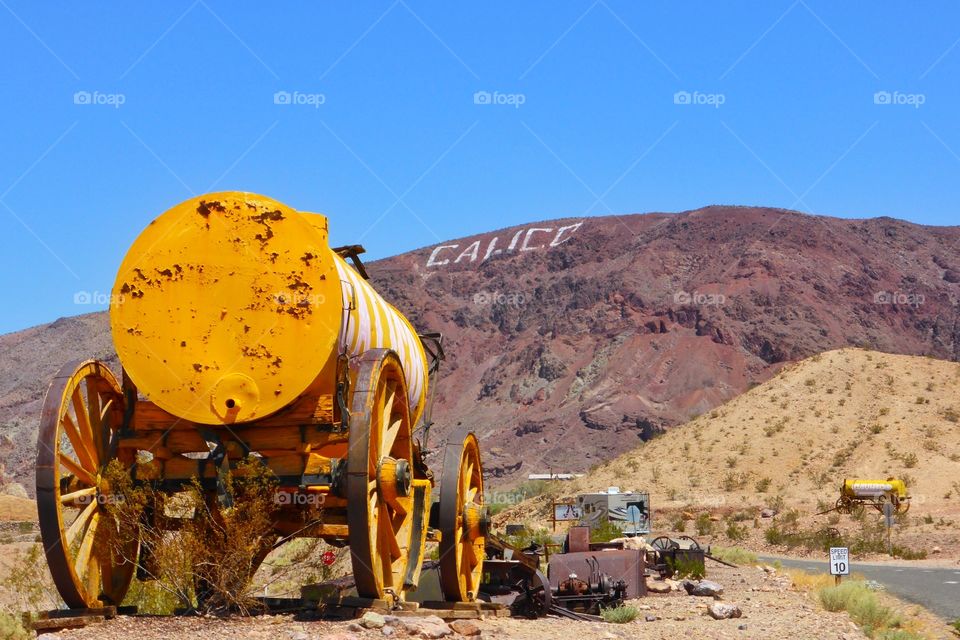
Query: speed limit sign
<point x="839" y="561"/>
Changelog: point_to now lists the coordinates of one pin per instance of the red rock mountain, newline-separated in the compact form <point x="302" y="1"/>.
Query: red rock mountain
<point x="569" y="340"/>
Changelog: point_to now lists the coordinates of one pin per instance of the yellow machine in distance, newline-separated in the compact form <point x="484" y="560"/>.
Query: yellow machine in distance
<point x="858" y="492"/>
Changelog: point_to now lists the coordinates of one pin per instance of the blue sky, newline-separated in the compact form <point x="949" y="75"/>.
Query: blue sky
<point x="115" y="111"/>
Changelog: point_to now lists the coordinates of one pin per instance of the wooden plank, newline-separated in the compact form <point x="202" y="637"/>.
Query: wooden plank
<point x="309" y="409"/>
<point x="107" y="612"/>
<point x="55" y="624"/>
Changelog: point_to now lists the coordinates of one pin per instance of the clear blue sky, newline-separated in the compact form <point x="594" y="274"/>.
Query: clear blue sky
<point x="400" y="156"/>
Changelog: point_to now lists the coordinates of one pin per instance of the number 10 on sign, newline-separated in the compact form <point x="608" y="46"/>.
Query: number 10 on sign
<point x="839" y="561"/>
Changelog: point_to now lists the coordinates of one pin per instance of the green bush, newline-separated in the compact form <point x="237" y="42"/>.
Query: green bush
<point x="736" y="533"/>
<point x="605" y="531"/>
<point x="704" y="524"/>
<point x="734" y="555"/>
<point x="11" y="629"/>
<point x="619" y="615"/>
<point x="864" y="607"/>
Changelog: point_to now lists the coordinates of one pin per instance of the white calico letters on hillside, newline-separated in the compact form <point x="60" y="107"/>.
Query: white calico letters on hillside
<point x="526" y="239"/>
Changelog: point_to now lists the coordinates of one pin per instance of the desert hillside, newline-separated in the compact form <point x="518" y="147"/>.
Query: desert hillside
<point x="791" y="441"/>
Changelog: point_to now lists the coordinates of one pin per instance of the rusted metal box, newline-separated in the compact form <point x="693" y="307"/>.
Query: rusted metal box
<point x="578" y="539"/>
<point x="626" y="565"/>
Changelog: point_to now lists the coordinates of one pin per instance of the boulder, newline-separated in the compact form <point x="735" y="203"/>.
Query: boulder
<point x="658" y="586"/>
<point x="372" y="620"/>
<point x="704" y="588"/>
<point x="465" y="627"/>
<point x="724" y="611"/>
<point x="422" y="626"/>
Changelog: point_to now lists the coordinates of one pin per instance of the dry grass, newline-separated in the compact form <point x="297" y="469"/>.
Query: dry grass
<point x="17" y="509"/>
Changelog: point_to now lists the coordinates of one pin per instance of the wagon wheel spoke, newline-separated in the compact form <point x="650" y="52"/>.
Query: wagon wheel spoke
<point x="81" y="522"/>
<point x="73" y="496"/>
<point x="77" y="470"/>
<point x="80" y="447"/>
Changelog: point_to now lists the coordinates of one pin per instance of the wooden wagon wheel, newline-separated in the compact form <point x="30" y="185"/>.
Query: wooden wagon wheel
<point x="380" y="502"/>
<point x="90" y="562"/>
<point x="463" y="520"/>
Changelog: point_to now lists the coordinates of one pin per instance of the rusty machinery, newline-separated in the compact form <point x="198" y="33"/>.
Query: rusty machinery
<point x="242" y="333"/>
<point x="577" y="584"/>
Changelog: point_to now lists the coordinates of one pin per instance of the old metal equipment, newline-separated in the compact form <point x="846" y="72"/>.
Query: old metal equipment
<point x="684" y="553"/>
<point x="243" y="335"/>
<point x="858" y="493"/>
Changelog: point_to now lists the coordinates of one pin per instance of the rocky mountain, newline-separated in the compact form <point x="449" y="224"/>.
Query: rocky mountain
<point x="568" y="341"/>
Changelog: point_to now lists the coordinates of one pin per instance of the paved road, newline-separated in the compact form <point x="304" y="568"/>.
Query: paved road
<point x="936" y="589"/>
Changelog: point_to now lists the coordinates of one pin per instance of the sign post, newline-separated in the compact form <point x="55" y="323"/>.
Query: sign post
<point x="888" y="513"/>
<point x="839" y="562"/>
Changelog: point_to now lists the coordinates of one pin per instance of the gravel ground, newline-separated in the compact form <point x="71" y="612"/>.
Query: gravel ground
<point x="771" y="609"/>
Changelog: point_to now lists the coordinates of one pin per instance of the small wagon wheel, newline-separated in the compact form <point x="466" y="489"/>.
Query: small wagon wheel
<point x="664" y="543"/>
<point x="463" y="520"/>
<point x="537" y="596"/>
<point x="694" y="545"/>
<point x="379" y="474"/>
<point x="92" y="562"/>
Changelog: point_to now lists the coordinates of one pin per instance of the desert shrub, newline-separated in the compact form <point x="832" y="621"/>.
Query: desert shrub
<point x="679" y="524"/>
<point x="951" y="415"/>
<point x="910" y="460"/>
<point x="206" y="562"/>
<point x="863" y="605"/>
<point x="527" y="537"/>
<point x="28" y="584"/>
<point x="735" y="532"/>
<point x="734" y="481"/>
<point x="12" y="629"/>
<point x="763" y="485"/>
<point x="605" y="531"/>
<point x="682" y="567"/>
<point x="534" y="488"/>
<point x="704" y="524"/>
<point x="619" y="615"/>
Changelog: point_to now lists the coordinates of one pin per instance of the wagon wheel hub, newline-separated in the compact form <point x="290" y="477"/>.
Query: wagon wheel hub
<point x="393" y="479"/>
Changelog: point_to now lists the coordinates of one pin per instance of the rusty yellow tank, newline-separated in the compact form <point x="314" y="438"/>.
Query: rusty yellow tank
<point x="231" y="306"/>
<point x="860" y="488"/>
